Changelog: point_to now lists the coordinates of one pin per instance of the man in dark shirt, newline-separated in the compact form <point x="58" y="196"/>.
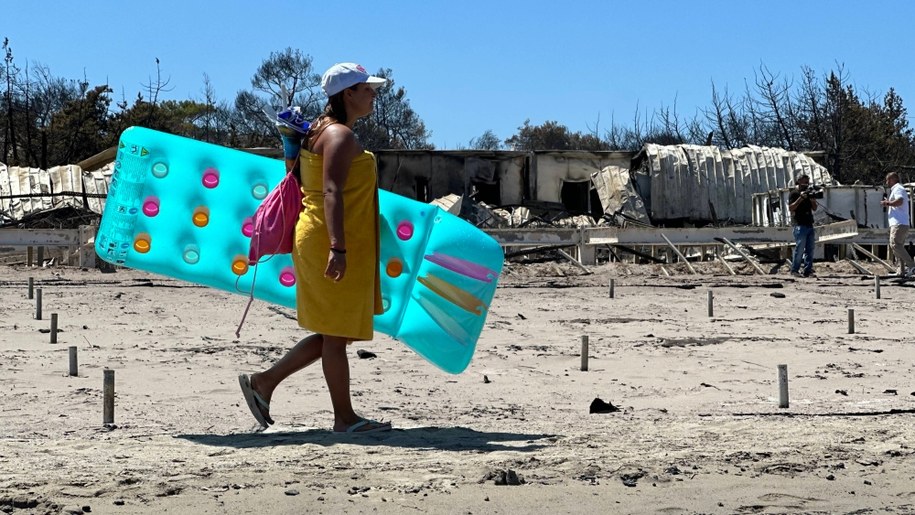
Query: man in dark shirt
<point x="802" y="207"/>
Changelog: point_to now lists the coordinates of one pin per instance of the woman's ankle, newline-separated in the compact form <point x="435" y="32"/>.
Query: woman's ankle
<point x="260" y="384"/>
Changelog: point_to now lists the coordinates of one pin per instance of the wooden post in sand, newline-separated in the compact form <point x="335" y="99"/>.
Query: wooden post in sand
<point x="38" y="304"/>
<point x="783" y="386"/>
<point x="53" y="327"/>
<point x="28" y="256"/>
<point x="612" y="281"/>
<point x="40" y="260"/>
<point x="108" y="389"/>
<point x="74" y="366"/>
<point x="711" y="308"/>
<point x="851" y="321"/>
<point x="584" y="353"/>
<point x="31" y="288"/>
<point x="877" y="286"/>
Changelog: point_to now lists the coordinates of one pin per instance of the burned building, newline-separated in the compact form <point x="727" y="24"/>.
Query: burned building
<point x="660" y="185"/>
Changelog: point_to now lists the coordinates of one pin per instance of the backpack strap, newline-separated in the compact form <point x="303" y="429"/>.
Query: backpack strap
<point x="307" y="143"/>
<point x="293" y="170"/>
<point x="248" y="305"/>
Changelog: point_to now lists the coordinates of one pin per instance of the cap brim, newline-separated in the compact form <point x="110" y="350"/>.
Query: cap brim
<point x="376" y="82"/>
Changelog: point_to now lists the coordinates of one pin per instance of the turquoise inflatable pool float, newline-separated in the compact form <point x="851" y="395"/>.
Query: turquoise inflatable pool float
<point x="182" y="208"/>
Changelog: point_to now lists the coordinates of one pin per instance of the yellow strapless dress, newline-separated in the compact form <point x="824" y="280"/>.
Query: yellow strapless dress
<point x="344" y="308"/>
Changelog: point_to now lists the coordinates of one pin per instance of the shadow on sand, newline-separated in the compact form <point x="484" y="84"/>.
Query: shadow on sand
<point x="441" y="438"/>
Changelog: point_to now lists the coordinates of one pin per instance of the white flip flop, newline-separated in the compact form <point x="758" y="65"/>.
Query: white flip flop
<point x="357" y="427"/>
<point x="254" y="401"/>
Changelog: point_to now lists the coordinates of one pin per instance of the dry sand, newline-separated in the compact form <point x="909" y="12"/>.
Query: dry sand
<point x="699" y="429"/>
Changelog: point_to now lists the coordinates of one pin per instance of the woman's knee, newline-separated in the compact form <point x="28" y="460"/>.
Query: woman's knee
<point x="335" y="341"/>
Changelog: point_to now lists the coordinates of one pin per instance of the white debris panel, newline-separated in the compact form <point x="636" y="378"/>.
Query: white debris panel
<point x="617" y="194"/>
<point x="705" y="183"/>
<point x="24" y="191"/>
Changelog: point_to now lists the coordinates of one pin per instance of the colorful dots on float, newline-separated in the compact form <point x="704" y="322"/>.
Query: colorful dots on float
<point x="201" y="216"/>
<point x="142" y="243"/>
<point x="405" y="230"/>
<point x="159" y="170"/>
<point x="247" y="227"/>
<point x="287" y="276"/>
<point x="259" y="191"/>
<point x="240" y="265"/>
<point x="210" y="178"/>
<point x="191" y="254"/>
<point x="151" y="206"/>
<point x="394" y="267"/>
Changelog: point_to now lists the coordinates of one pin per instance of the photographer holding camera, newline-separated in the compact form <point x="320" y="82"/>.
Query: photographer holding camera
<point x="802" y="204"/>
<point x="897" y="204"/>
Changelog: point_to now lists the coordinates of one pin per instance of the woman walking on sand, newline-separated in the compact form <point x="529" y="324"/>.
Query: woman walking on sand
<point x="338" y="286"/>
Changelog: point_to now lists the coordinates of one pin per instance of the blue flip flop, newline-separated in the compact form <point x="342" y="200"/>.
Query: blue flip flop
<point x="258" y="406"/>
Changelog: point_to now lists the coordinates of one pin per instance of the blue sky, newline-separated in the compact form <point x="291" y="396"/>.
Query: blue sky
<point x="474" y="65"/>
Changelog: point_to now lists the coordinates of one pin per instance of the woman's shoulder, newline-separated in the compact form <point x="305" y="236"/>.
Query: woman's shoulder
<point x="338" y="137"/>
<point x="343" y="139"/>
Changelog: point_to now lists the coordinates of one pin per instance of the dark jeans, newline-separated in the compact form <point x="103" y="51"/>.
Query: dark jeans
<point x="804" y="239"/>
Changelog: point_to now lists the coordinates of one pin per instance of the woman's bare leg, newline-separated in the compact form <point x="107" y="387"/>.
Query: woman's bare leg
<point x="331" y="350"/>
<point x="336" y="373"/>
<point x="306" y="352"/>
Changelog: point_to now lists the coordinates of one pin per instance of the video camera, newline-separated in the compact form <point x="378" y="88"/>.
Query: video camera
<point x="813" y="191"/>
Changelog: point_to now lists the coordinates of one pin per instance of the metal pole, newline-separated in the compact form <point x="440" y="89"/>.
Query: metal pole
<point x="38" y="304"/>
<point x="783" y="386"/>
<point x="584" y="353"/>
<point x="74" y="366"/>
<point x="108" y="388"/>
<point x="711" y="309"/>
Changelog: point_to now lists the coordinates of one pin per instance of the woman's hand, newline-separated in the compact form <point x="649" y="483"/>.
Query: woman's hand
<point x="336" y="266"/>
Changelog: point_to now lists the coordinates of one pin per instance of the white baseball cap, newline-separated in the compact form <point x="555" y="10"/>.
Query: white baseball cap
<point x="344" y="75"/>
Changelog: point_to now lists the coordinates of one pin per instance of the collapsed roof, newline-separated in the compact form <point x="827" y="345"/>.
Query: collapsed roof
<point x="27" y="192"/>
<point x="708" y="184"/>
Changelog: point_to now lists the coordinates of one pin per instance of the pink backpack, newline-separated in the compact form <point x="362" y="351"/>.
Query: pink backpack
<point x="274" y="220"/>
<point x="274" y="227"/>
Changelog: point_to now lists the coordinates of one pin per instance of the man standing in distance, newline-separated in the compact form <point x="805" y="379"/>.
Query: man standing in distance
<point x="802" y="207"/>
<point x="897" y="204"/>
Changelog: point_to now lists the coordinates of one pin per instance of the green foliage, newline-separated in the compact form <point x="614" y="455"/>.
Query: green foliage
<point x="487" y="141"/>
<point x="174" y="116"/>
<point x="49" y="120"/>
<point x="393" y="124"/>
<point x="863" y="138"/>
<point x="81" y="128"/>
<point x="553" y="136"/>
<point x="288" y="78"/>
<point x="285" y="78"/>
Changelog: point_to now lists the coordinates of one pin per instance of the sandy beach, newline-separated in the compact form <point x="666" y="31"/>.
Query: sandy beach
<point x="699" y="428"/>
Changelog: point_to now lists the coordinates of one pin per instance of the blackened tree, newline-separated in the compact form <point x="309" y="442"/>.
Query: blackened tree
<point x="393" y="124"/>
<point x="486" y="141"/>
<point x="552" y="135"/>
